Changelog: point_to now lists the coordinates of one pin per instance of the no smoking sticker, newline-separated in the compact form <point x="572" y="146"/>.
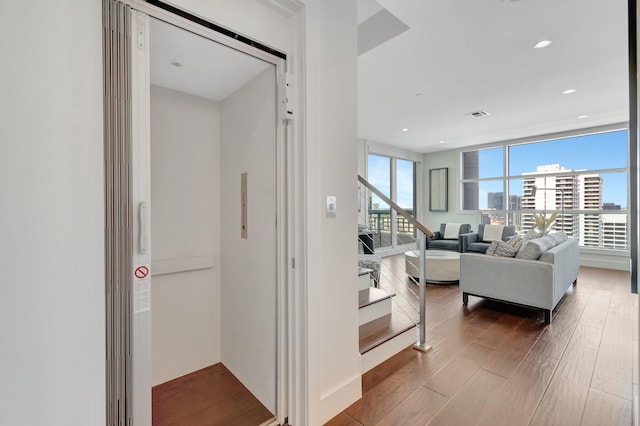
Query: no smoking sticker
<point x="141" y="289"/>
<point x="141" y="272"/>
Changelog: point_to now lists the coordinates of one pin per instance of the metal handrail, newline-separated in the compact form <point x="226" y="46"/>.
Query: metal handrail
<point x="425" y="232"/>
<point x="402" y="212"/>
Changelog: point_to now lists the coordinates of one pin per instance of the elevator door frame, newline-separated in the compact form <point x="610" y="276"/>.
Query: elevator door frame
<point x="138" y="378"/>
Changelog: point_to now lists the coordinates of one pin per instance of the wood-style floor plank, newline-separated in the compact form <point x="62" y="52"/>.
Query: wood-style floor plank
<point x="343" y="419"/>
<point x="376" y="375"/>
<point x="210" y="396"/>
<point x="517" y="401"/>
<point x="463" y="408"/>
<point x="614" y="365"/>
<point x="606" y="409"/>
<point x="564" y="400"/>
<point x="496" y="364"/>
<point x="417" y="409"/>
<point x="452" y="377"/>
<point x="376" y="403"/>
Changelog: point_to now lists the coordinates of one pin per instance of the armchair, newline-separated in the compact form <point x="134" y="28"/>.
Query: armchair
<point x="448" y="237"/>
<point x="479" y="242"/>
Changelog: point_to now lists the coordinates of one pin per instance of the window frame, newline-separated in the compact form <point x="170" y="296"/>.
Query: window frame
<point x="507" y="178"/>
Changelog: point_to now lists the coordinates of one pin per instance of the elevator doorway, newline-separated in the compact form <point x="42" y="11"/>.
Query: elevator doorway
<point x="213" y="230"/>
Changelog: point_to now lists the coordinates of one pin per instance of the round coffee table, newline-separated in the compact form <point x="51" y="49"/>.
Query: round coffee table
<point x="441" y="266"/>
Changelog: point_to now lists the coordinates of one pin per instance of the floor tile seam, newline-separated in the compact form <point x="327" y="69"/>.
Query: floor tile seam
<point x="449" y="398"/>
<point x="614" y="394"/>
<point x="353" y="418"/>
<point x="546" y="386"/>
<point x="390" y="409"/>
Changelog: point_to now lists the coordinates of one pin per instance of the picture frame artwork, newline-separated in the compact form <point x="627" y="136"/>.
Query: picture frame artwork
<point x="438" y="189"/>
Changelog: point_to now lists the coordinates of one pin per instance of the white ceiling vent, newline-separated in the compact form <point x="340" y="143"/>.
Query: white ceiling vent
<point x="478" y="114"/>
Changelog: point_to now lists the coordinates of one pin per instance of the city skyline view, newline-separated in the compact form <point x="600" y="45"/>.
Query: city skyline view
<point x="600" y="151"/>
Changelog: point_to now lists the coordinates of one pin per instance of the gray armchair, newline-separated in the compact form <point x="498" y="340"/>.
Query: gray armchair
<point x="474" y="241"/>
<point x="439" y="242"/>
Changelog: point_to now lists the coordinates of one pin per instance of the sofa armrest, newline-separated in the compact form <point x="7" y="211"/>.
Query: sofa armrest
<point x="465" y="239"/>
<point x="526" y="282"/>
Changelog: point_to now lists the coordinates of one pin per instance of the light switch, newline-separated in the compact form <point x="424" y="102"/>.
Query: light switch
<point x="331" y="206"/>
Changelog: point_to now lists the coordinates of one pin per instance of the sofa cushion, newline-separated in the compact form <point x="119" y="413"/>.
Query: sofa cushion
<point x="559" y="237"/>
<point x="444" y="244"/>
<point x="505" y="249"/>
<point x="478" y="247"/>
<point x="451" y="231"/>
<point x="492" y="233"/>
<point x="533" y="249"/>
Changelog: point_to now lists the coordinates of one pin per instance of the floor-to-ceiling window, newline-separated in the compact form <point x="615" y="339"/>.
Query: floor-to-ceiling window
<point x="581" y="180"/>
<point x="396" y="178"/>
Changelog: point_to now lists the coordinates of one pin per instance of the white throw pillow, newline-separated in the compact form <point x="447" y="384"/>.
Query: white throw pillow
<point x="451" y="231"/>
<point x="492" y="233"/>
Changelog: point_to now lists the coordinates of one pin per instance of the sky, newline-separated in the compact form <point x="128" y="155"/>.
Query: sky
<point x="591" y="152"/>
<point x="379" y="176"/>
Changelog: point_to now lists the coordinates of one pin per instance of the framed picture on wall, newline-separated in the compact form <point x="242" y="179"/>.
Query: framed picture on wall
<point x="438" y="188"/>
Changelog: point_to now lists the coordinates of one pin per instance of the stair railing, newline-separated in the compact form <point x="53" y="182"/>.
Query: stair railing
<point x="423" y="233"/>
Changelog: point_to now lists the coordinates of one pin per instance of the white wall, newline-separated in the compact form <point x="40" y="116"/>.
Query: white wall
<point x="249" y="265"/>
<point x="52" y="308"/>
<point x="451" y="160"/>
<point x="334" y="380"/>
<point x="52" y="318"/>
<point x="185" y="233"/>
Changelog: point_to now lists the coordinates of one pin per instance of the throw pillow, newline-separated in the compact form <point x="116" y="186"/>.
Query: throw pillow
<point x="559" y="237"/>
<point x="502" y="249"/>
<point x="532" y="234"/>
<point x="533" y="249"/>
<point x="492" y="233"/>
<point x="451" y="231"/>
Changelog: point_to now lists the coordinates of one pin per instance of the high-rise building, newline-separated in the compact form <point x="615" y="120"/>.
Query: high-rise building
<point x="554" y="193"/>
<point x="590" y="187"/>
<point x="614" y="231"/>
<point x="495" y="200"/>
<point x="566" y="192"/>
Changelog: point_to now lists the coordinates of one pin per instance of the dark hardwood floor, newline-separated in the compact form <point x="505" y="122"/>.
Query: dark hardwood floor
<point x="497" y="364"/>
<point x="207" y="397"/>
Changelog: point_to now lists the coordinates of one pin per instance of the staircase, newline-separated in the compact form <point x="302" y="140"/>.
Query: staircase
<point x="384" y="330"/>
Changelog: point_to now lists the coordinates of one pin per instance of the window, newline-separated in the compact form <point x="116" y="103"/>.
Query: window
<point x="396" y="179"/>
<point x="582" y="178"/>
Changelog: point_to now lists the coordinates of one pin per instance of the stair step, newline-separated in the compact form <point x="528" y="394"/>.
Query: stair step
<point x="374" y="303"/>
<point x="364" y="271"/>
<point x="372" y="295"/>
<point x="384" y="329"/>
<point x="364" y="280"/>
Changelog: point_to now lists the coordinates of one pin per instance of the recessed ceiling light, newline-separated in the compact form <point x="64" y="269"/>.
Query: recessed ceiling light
<point x="441" y="142"/>
<point x="542" y="44"/>
<point x="569" y="91"/>
<point x="583" y="116"/>
<point x="418" y="94"/>
<point x="405" y="130"/>
<point x="176" y="64"/>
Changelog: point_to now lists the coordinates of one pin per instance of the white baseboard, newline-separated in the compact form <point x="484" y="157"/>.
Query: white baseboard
<point x="336" y="400"/>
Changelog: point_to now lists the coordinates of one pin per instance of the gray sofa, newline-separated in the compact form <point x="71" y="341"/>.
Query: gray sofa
<point x="539" y="283"/>
<point x="473" y="241"/>
<point x="438" y="242"/>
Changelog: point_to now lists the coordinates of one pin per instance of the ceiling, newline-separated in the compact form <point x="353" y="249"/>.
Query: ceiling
<point x="424" y="65"/>
<point x="458" y="57"/>
<point x="205" y="68"/>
